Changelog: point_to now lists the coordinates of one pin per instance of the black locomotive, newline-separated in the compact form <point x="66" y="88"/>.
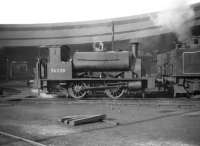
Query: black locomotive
<point x="82" y="73"/>
<point x="179" y="69"/>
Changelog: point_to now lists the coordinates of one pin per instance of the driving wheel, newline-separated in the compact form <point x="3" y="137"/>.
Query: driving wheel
<point x="115" y="93"/>
<point x="76" y="90"/>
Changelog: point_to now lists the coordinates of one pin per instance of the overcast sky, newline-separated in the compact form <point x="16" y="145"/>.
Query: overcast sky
<point x="53" y="11"/>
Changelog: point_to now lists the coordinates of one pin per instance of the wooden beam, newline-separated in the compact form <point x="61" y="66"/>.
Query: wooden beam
<point x="87" y="119"/>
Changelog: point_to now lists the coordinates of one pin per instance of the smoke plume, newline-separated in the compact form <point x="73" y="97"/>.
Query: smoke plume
<point x="178" y="19"/>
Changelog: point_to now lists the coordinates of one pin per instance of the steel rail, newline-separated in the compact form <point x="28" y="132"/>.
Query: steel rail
<point x="21" y="138"/>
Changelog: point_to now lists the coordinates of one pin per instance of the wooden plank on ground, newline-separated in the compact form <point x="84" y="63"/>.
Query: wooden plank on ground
<point x="88" y="119"/>
<point x="69" y="118"/>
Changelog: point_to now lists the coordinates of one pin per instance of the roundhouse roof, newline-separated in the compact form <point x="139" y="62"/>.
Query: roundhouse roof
<point x="132" y="27"/>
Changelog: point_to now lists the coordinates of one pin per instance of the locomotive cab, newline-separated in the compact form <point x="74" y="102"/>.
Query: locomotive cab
<point x="59" y="65"/>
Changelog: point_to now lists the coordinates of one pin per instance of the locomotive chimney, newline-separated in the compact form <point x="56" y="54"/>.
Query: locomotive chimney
<point x="136" y="61"/>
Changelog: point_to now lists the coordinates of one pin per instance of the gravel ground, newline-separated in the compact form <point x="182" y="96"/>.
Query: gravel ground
<point x="141" y="122"/>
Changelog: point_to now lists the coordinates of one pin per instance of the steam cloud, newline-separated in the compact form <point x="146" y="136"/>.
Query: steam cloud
<point x="178" y="19"/>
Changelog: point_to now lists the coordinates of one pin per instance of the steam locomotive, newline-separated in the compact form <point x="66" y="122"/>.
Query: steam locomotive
<point x="179" y="69"/>
<point x="81" y="73"/>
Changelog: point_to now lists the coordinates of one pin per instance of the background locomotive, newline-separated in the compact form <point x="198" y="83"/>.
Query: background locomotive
<point x="179" y="69"/>
<point x="79" y="73"/>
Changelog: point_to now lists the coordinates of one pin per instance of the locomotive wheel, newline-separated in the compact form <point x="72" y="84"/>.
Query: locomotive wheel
<point x="115" y="93"/>
<point x="76" y="90"/>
